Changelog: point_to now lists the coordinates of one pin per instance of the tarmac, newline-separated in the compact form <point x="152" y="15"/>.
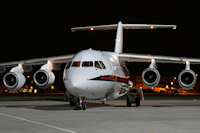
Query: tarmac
<point x="153" y="116"/>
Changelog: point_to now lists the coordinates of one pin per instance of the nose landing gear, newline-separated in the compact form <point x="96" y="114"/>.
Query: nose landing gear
<point x="80" y="104"/>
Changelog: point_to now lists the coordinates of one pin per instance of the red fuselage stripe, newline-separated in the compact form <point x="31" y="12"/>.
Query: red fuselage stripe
<point x="111" y="78"/>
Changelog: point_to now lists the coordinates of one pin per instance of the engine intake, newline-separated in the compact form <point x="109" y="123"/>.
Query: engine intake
<point x="187" y="79"/>
<point x="44" y="78"/>
<point x="150" y="77"/>
<point x="14" y="80"/>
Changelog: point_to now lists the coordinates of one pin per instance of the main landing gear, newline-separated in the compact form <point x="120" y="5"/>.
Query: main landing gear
<point x="132" y="98"/>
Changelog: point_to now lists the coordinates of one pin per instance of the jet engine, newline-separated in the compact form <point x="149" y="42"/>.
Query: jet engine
<point x="14" y="80"/>
<point x="151" y="75"/>
<point x="187" y="79"/>
<point x="44" y="77"/>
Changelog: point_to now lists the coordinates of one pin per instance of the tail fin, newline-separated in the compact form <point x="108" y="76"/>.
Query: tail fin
<point x="119" y="27"/>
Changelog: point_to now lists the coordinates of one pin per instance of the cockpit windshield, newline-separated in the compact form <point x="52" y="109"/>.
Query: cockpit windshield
<point x="68" y="64"/>
<point x="96" y="64"/>
<point x="102" y="65"/>
<point x="87" y="64"/>
<point x="76" y="64"/>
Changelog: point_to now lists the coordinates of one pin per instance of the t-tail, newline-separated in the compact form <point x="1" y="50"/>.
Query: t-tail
<point x="119" y="27"/>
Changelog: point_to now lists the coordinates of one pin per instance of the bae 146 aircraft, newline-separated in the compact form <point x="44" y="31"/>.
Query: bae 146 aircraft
<point x="92" y="74"/>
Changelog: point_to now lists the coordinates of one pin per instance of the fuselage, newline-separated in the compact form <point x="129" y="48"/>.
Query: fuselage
<point x="95" y="75"/>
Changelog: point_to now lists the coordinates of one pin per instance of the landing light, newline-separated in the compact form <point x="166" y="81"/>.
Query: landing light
<point x="91" y="29"/>
<point x="151" y="27"/>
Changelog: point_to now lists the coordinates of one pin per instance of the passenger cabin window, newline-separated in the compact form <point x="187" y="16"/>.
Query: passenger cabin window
<point x="76" y="64"/>
<point x="102" y="65"/>
<point x="97" y="65"/>
<point x="87" y="64"/>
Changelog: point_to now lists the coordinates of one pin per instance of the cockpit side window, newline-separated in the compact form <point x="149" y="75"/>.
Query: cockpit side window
<point x="76" y="64"/>
<point x="68" y="64"/>
<point x="87" y="64"/>
<point x="102" y="65"/>
<point x="97" y="65"/>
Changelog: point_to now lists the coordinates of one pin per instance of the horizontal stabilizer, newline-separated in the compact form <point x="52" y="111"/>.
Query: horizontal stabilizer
<point x="148" y="26"/>
<point x="119" y="27"/>
<point x="125" y="26"/>
<point x="101" y="27"/>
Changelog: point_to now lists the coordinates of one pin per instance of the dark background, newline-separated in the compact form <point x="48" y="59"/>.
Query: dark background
<point x="36" y="29"/>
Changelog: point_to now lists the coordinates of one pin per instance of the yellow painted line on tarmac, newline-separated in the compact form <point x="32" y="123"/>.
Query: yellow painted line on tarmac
<point x="94" y="121"/>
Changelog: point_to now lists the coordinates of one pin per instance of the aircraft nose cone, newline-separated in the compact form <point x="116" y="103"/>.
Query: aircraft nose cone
<point x="76" y="83"/>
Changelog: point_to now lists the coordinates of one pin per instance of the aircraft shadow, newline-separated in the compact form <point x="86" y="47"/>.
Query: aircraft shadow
<point x="55" y="107"/>
<point x="90" y="105"/>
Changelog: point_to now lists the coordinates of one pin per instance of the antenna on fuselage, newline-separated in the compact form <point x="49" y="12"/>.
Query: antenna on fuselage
<point x="119" y="27"/>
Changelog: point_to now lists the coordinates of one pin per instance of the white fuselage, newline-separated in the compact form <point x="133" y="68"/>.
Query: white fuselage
<point x="95" y="75"/>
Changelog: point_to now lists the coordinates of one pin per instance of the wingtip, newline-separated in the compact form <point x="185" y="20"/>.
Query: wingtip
<point x="72" y="30"/>
<point x="175" y="26"/>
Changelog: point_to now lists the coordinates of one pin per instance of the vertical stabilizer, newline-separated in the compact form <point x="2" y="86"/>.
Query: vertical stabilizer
<point x="119" y="38"/>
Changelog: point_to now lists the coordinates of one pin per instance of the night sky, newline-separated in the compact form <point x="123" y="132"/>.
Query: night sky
<point x="42" y="29"/>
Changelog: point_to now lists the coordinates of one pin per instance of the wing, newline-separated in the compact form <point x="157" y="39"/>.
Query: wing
<point x="27" y="64"/>
<point x="131" y="57"/>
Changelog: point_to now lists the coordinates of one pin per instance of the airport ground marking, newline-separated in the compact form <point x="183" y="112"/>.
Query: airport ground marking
<point x="39" y="123"/>
<point x="94" y="121"/>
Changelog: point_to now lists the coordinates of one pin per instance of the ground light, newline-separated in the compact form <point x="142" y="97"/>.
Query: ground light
<point x="52" y="87"/>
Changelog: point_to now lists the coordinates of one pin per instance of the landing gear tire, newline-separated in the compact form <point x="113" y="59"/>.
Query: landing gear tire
<point x="137" y="102"/>
<point x="84" y="104"/>
<point x="128" y="103"/>
<point x="80" y="104"/>
<point x="77" y="106"/>
<point x="71" y="101"/>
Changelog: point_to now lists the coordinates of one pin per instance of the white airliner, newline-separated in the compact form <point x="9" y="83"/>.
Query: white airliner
<point x="92" y="74"/>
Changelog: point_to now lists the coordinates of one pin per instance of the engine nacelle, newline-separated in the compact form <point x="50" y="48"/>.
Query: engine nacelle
<point x="150" y="77"/>
<point x="14" y="80"/>
<point x="44" y="78"/>
<point x="187" y="79"/>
